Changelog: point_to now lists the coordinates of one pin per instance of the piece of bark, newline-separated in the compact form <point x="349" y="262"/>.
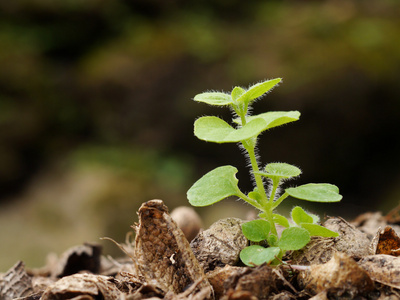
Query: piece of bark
<point x="219" y="245"/>
<point x="163" y="254"/>
<point x="84" y="286"/>
<point x="341" y="274"/>
<point x="16" y="283"/>
<point x="383" y="268"/>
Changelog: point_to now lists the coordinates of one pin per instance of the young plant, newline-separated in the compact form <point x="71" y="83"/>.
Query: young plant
<point x="221" y="182"/>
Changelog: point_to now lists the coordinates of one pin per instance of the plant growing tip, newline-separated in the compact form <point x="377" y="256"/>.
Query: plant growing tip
<point x="221" y="182"/>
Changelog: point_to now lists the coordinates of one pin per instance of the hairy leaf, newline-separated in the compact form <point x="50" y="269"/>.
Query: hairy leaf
<point x="258" y="90"/>
<point x="294" y="238"/>
<point x="256" y="230"/>
<point x="281" y="220"/>
<point x="237" y="92"/>
<point x="280" y="171"/>
<point x="316" y="192"/>
<point x="317" y="230"/>
<point x="273" y="118"/>
<point x="216" y="185"/>
<point x="257" y="255"/>
<point x="214" y="129"/>
<point x="272" y="240"/>
<point x="217" y="98"/>
<point x="300" y="216"/>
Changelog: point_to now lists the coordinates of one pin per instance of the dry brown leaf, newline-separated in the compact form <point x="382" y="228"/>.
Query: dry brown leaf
<point x="218" y="276"/>
<point x="388" y="242"/>
<point x="163" y="253"/>
<point x="15" y="283"/>
<point x="85" y="286"/>
<point x="383" y="268"/>
<point x="84" y="257"/>
<point x="341" y="273"/>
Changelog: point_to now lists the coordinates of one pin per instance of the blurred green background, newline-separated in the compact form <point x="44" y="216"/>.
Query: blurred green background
<point x="96" y="114"/>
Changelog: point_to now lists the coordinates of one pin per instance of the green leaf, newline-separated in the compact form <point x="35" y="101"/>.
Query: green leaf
<point x="294" y="238"/>
<point x="256" y="255"/>
<point x="280" y="171"/>
<point x="316" y="192"/>
<point x="300" y="216"/>
<point x="317" y="230"/>
<point x="255" y="195"/>
<point x="216" y="185"/>
<point x="272" y="240"/>
<point x="256" y="230"/>
<point x="281" y="220"/>
<point x="237" y="92"/>
<point x="258" y="90"/>
<point x="217" y="98"/>
<point x="214" y="129"/>
<point x="273" y="118"/>
<point x="261" y="88"/>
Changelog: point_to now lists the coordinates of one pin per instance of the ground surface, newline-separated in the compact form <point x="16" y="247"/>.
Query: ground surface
<point x="362" y="263"/>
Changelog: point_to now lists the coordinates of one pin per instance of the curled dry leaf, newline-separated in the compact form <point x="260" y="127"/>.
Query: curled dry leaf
<point x="15" y="283"/>
<point x="79" y="258"/>
<point x="188" y="220"/>
<point x="388" y="242"/>
<point x="83" y="285"/>
<point x="341" y="273"/>
<point x="163" y="253"/>
<point x="383" y="268"/>
<point x="219" y="245"/>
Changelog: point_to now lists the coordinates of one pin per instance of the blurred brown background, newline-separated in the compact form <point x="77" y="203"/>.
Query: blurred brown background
<point x="96" y="114"/>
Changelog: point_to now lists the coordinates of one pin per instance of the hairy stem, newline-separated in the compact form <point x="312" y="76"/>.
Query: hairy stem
<point x="250" y="148"/>
<point x="275" y="184"/>
<point x="279" y="200"/>
<point x="250" y="201"/>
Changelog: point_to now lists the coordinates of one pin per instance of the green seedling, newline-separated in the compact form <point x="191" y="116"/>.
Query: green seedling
<point x="221" y="182"/>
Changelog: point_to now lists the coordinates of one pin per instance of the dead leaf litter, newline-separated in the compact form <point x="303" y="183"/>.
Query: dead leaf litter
<point x="362" y="263"/>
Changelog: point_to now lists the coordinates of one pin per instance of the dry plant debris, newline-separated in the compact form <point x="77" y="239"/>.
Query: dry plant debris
<point x="341" y="274"/>
<point x="163" y="253"/>
<point x="161" y="264"/>
<point x="219" y="245"/>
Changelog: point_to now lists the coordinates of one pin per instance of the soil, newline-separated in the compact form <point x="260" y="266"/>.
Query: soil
<point x="161" y="263"/>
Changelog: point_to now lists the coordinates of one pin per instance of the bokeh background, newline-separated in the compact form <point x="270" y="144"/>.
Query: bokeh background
<point x="96" y="114"/>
